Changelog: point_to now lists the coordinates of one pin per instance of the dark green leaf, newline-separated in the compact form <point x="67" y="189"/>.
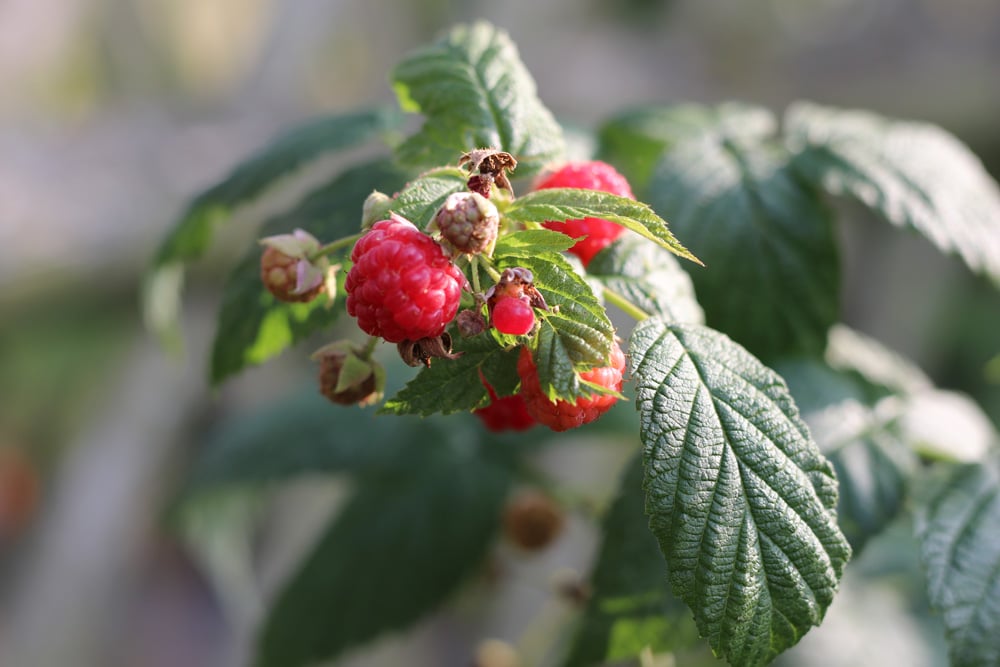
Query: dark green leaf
<point x="739" y="496"/>
<point x="420" y="199"/>
<point x="916" y="175"/>
<point x="192" y="235"/>
<point x="556" y="373"/>
<point x="631" y="606"/>
<point x="772" y="271"/>
<point x="475" y="92"/>
<point x="253" y="325"/>
<point x="648" y="277"/>
<point x="399" y="548"/>
<point x="635" y="139"/>
<point x="453" y="385"/>
<point x="960" y="548"/>
<point x="560" y="204"/>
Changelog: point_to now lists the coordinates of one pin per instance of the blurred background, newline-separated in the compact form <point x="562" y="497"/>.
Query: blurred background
<point x="114" y="112"/>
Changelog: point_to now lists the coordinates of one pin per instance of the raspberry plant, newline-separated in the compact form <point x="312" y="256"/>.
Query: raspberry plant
<point x="770" y="441"/>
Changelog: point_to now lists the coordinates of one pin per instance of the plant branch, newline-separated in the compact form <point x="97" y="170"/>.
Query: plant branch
<point x="630" y="309"/>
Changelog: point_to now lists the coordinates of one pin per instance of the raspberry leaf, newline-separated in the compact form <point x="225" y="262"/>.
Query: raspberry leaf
<point x="420" y="199"/>
<point x="635" y="139"/>
<point x="575" y="332"/>
<point x="192" y="234"/>
<point x="435" y="523"/>
<point x="915" y="175"/>
<point x="453" y="385"/>
<point x="772" y="278"/>
<point x="474" y="92"/>
<point x="739" y="496"/>
<point x="253" y="325"/>
<point x="957" y="530"/>
<point x="532" y="241"/>
<point x="648" y="277"/>
<point x="631" y="606"/>
<point x="559" y="204"/>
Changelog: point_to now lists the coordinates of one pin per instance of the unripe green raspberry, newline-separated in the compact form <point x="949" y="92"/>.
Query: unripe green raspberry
<point x="468" y="222"/>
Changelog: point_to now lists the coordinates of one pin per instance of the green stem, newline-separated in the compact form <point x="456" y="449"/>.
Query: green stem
<point x="494" y="274"/>
<point x="474" y="267"/>
<point x="334" y="246"/>
<point x="369" y="348"/>
<point x="630" y="309"/>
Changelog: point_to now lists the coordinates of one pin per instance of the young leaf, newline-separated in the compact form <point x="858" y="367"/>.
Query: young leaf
<point x="739" y="496"/>
<point x="452" y="385"/>
<point x="960" y="548"/>
<point x="635" y="139"/>
<point x="772" y="278"/>
<point x="648" y="277"/>
<point x="631" y="606"/>
<point x="474" y="92"/>
<point x="575" y="333"/>
<point x="193" y="233"/>
<point x="916" y="175"/>
<point x="420" y="199"/>
<point x="253" y="325"/>
<point x="573" y="204"/>
<point x="399" y="548"/>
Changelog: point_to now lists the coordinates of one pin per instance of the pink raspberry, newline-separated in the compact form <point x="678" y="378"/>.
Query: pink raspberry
<point x="504" y="413"/>
<point x="590" y="175"/>
<point x="402" y="285"/>
<point x="512" y="315"/>
<point x="563" y="415"/>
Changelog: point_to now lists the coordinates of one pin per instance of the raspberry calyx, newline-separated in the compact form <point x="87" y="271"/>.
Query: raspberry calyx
<point x="347" y="374"/>
<point x="288" y="268"/>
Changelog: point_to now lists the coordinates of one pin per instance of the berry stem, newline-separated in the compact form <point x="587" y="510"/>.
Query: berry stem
<point x="334" y="246"/>
<point x="474" y="266"/>
<point x="369" y="348"/>
<point x="630" y="309"/>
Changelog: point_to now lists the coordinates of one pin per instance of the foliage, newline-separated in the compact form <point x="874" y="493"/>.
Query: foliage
<point x="772" y="441"/>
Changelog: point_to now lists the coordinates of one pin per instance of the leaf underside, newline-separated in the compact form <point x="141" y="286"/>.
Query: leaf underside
<point x="739" y="496"/>
<point x="960" y="547"/>
<point x="915" y="175"/>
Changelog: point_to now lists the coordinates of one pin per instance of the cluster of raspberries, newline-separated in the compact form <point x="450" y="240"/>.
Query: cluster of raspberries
<point x="404" y="287"/>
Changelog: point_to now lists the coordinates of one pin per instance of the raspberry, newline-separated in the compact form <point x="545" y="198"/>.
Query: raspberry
<point x="468" y="222"/>
<point x="402" y="285"/>
<point x="563" y="415"/>
<point x="346" y="377"/>
<point x="505" y="413"/>
<point x="531" y="520"/>
<point x="512" y="315"/>
<point x="591" y="175"/>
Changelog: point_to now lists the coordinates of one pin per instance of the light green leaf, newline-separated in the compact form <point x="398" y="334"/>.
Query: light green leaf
<point x="915" y="175"/>
<point x="575" y="333"/>
<point x="421" y="198"/>
<point x="884" y="370"/>
<point x="474" y="92"/>
<point x="631" y="606"/>
<point x="739" y="496"/>
<point x="634" y="139"/>
<point x="960" y="548"/>
<point x="648" y="277"/>
<point x="560" y="204"/>
<point x="399" y="548"/>
<point x="532" y="241"/>
<point x="192" y="235"/>
<point x="772" y="274"/>
<point x="253" y="325"/>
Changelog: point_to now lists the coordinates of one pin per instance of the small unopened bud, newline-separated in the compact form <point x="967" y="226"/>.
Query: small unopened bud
<point x="346" y="376"/>
<point x="468" y="222"/>
<point x="376" y="207"/>
<point x="288" y="269"/>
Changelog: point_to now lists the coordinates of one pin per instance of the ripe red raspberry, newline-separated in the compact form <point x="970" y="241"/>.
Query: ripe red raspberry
<point x="590" y="175"/>
<point x="403" y="285"/>
<point x="563" y="415"/>
<point x="505" y="413"/>
<point x="513" y="316"/>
